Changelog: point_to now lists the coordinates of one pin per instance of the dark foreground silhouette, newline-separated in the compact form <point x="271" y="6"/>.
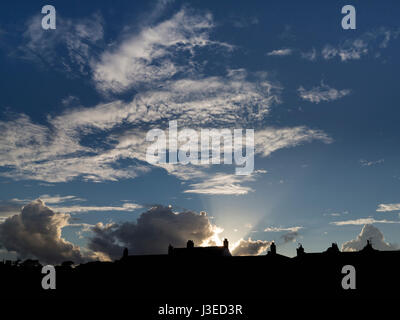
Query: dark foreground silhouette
<point x="194" y="273"/>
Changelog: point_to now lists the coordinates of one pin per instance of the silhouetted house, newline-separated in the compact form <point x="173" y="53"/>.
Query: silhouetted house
<point x="192" y="251"/>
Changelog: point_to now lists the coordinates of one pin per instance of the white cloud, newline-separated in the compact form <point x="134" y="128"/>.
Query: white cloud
<point x="366" y="163"/>
<point x="279" y="229"/>
<point x="128" y="207"/>
<point x="58" y="199"/>
<point x="148" y="56"/>
<point x="385" y="207"/>
<point x="13" y="206"/>
<point x="371" y="233"/>
<point x="353" y="49"/>
<point x="269" y="140"/>
<point x="56" y="151"/>
<point x="280" y="52"/>
<point x="222" y="184"/>
<point x="335" y="214"/>
<point x="322" y="93"/>
<point x="361" y="221"/>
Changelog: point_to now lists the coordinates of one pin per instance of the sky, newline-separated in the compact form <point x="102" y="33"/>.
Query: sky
<point x="77" y="102"/>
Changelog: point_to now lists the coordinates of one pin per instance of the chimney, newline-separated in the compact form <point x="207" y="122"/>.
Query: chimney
<point x="226" y="243"/>
<point x="273" y="248"/>
<point x="190" y="244"/>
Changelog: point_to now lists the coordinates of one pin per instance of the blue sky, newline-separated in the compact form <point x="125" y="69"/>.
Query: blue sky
<point x="77" y="102"/>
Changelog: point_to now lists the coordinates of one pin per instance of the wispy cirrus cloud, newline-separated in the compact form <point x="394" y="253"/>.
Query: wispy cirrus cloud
<point x="366" y="163"/>
<point x="126" y="207"/>
<point x="149" y="56"/>
<point x="387" y="207"/>
<point x="362" y="221"/>
<point x="222" y="184"/>
<point x="56" y="199"/>
<point x="55" y="150"/>
<point x="368" y="43"/>
<point x="70" y="47"/>
<point x="280" y="52"/>
<point x="322" y="93"/>
<point x="280" y="229"/>
<point x="62" y="204"/>
<point x="269" y="140"/>
<point x="55" y="153"/>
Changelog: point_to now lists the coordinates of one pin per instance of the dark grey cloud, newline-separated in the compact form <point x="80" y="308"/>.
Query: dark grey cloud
<point x="289" y="237"/>
<point x="152" y="232"/>
<point x="372" y="233"/>
<point x="35" y="232"/>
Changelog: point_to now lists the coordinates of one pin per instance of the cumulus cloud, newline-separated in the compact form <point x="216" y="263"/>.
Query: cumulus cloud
<point x="250" y="247"/>
<point x="385" y="207"/>
<point x="280" y="52"/>
<point x="371" y="233"/>
<point x="36" y="233"/>
<point x="322" y="93"/>
<point x="152" y="232"/>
